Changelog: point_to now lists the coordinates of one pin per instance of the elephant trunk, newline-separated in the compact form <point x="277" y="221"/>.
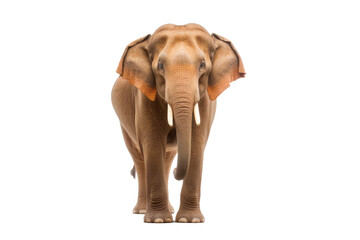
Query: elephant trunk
<point x="181" y="93"/>
<point x="182" y="104"/>
<point x="183" y="122"/>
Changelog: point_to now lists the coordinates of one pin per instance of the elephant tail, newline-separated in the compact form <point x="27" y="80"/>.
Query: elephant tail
<point x="133" y="172"/>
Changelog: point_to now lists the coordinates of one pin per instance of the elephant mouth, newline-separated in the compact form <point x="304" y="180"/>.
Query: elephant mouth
<point x="170" y="115"/>
<point x="172" y="139"/>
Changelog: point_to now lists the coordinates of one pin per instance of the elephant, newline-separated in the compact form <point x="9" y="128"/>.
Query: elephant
<point x="165" y="99"/>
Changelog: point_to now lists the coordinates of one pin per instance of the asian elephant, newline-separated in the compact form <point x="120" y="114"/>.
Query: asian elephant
<point x="165" y="98"/>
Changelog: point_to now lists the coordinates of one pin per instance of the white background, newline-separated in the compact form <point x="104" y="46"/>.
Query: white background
<point x="282" y="161"/>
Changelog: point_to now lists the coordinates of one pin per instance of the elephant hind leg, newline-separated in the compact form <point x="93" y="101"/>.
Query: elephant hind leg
<point x="169" y="157"/>
<point x="139" y="168"/>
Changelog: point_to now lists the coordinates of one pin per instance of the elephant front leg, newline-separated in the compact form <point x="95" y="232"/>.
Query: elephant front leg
<point x="157" y="206"/>
<point x="189" y="211"/>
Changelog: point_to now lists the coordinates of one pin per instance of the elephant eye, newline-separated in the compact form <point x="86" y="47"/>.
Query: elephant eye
<point x="161" y="66"/>
<point x="202" y="65"/>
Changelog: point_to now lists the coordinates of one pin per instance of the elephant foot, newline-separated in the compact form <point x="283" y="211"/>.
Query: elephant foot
<point x="158" y="217"/>
<point x="190" y="216"/>
<point x="140" y="207"/>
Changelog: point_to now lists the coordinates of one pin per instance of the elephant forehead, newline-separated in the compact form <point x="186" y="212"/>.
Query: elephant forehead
<point x="173" y="37"/>
<point x="184" y="36"/>
<point x="179" y="53"/>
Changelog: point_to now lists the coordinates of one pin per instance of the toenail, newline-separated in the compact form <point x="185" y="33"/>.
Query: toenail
<point x="195" y="220"/>
<point x="158" y="220"/>
<point x="182" y="220"/>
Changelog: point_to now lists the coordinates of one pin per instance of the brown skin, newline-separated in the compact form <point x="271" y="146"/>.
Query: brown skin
<point x="179" y="66"/>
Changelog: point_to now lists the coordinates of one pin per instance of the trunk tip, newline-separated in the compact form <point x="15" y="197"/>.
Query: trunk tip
<point x="177" y="177"/>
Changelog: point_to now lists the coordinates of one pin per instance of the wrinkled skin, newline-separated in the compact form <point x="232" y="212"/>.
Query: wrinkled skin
<point x="177" y="66"/>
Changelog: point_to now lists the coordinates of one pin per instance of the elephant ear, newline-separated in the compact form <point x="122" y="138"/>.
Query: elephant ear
<point x="135" y="67"/>
<point x="227" y="66"/>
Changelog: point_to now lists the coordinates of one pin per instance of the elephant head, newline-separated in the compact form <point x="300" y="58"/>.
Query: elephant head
<point x="181" y="65"/>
